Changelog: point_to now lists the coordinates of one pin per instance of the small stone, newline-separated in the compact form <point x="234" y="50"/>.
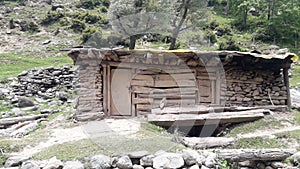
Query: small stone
<point x="15" y="161"/>
<point x="260" y="166"/>
<point x="54" y="163"/>
<point x="100" y="162"/>
<point x="18" y="112"/>
<point x="278" y="165"/>
<point x="30" y="165"/>
<point x="269" y="167"/>
<point x="73" y="165"/>
<point x="147" y="160"/>
<point x="168" y="160"/>
<point x="124" y="162"/>
<point x="63" y="96"/>
<point x="247" y="163"/>
<point x="275" y="88"/>
<point x="21" y="132"/>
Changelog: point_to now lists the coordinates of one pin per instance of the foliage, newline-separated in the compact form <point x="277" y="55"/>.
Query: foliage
<point x="87" y="17"/>
<point x="91" y="4"/>
<point x="77" y="25"/>
<point x="224" y="29"/>
<point x="52" y="17"/>
<point x="229" y="44"/>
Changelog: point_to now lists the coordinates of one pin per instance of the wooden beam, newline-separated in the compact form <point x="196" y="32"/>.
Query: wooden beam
<point x="105" y="89"/>
<point x="287" y="84"/>
<point x="109" y="90"/>
<point x="211" y="118"/>
<point x="255" y="154"/>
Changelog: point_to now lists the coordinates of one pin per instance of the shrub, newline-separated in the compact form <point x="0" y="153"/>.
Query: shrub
<point x="91" y="4"/>
<point x="229" y="44"/>
<point x="223" y="29"/>
<point x="210" y="36"/>
<point x="77" y="25"/>
<point x="52" y="17"/>
<point x="212" y="25"/>
<point x="88" y="33"/>
<point x="64" y="22"/>
<point x="29" y="26"/>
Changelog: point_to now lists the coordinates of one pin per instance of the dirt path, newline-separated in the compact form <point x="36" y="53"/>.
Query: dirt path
<point x="108" y="127"/>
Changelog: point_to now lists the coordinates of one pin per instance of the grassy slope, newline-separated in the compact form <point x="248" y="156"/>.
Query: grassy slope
<point x="11" y="65"/>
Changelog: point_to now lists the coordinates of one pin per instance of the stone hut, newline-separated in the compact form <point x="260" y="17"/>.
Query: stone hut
<point x="118" y="82"/>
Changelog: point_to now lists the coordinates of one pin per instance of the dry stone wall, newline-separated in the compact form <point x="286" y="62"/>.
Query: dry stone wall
<point x="254" y="87"/>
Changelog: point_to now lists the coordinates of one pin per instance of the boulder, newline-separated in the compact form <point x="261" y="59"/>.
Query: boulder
<point x="100" y="161"/>
<point x="15" y="161"/>
<point x="73" y="165"/>
<point x="190" y="156"/>
<point x="295" y="159"/>
<point x="30" y="165"/>
<point x="124" y="162"/>
<point x="168" y="160"/>
<point x="147" y="161"/>
<point x="54" y="163"/>
<point x="25" y="102"/>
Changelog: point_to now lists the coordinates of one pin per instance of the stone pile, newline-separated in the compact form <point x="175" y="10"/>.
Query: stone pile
<point x="44" y="82"/>
<point x="250" y="88"/>
<point x="188" y="159"/>
<point x="34" y="91"/>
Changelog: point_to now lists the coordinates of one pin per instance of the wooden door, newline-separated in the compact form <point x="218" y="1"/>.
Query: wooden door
<point x="120" y="104"/>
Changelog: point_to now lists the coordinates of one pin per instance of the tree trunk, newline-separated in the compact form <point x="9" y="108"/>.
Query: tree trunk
<point x="174" y="39"/>
<point x="132" y="42"/>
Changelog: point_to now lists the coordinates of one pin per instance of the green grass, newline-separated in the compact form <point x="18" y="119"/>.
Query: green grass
<point x="11" y="65"/>
<point x="257" y="143"/>
<point x="295" y="80"/>
<point x="262" y="124"/>
<point x="290" y="135"/>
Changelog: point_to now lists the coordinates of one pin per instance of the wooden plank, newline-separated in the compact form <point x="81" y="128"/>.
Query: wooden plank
<point x="176" y="102"/>
<point x="206" y="142"/>
<point x="137" y="89"/>
<point x="142" y="101"/>
<point x="143" y="107"/>
<point x="168" y="96"/>
<point x="165" y="83"/>
<point x="211" y="118"/>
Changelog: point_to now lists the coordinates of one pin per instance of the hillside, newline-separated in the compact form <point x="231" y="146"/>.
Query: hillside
<point x="42" y="28"/>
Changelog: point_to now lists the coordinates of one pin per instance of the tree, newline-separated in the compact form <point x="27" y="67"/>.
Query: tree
<point x="186" y="14"/>
<point x="134" y="18"/>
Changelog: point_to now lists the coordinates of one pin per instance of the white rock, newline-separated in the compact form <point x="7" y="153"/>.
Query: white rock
<point x="73" y="165"/>
<point x="53" y="163"/>
<point x="124" y="163"/>
<point x="100" y="161"/>
<point x="168" y="160"/>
